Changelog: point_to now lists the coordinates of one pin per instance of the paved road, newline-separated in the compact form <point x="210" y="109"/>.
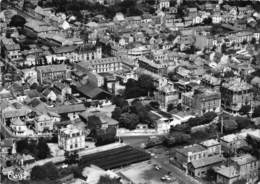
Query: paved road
<point x="176" y="172"/>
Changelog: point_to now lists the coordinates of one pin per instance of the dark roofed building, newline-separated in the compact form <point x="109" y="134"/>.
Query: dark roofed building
<point x="92" y="92"/>
<point x="199" y="168"/>
<point x="51" y="73"/>
<point x="74" y="108"/>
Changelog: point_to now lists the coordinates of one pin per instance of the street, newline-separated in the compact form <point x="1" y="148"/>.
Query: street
<point x="176" y="172"/>
<point x="161" y="157"/>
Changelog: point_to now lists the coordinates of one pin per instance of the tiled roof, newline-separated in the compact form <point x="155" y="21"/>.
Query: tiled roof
<point x="207" y="161"/>
<point x="193" y="148"/>
<point x="70" y="108"/>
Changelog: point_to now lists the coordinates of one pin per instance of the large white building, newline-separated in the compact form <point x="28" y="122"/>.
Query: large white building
<point x="71" y="138"/>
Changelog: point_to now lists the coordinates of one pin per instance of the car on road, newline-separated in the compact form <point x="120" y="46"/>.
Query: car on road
<point x="157" y="167"/>
<point x="167" y="178"/>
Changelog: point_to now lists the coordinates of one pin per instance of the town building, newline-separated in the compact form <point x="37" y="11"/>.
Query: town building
<point x="232" y="142"/>
<point x="199" y="168"/>
<point x="105" y="120"/>
<point x="241" y="167"/>
<point x="210" y="81"/>
<point x="235" y="94"/>
<point x="71" y="138"/>
<point x="202" y="100"/>
<point x="213" y="146"/>
<point x="10" y="49"/>
<point x="51" y="73"/>
<point x="164" y="4"/>
<point x="150" y="66"/>
<point x="167" y="95"/>
<point x="34" y="28"/>
<point x="45" y="123"/>
<point x="187" y="154"/>
<point x="19" y="127"/>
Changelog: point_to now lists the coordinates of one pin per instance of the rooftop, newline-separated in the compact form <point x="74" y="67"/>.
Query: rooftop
<point x="244" y="159"/>
<point x="52" y="68"/>
<point x="103" y="117"/>
<point x="228" y="172"/>
<point x="209" y="143"/>
<point x="207" y="161"/>
<point x="70" y="108"/>
<point x="39" y="27"/>
<point x="70" y="129"/>
<point x="229" y="138"/>
<point x="191" y="149"/>
<point x="237" y="85"/>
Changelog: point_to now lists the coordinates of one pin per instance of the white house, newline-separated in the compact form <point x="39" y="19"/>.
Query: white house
<point x="71" y="138"/>
<point x="19" y="127"/>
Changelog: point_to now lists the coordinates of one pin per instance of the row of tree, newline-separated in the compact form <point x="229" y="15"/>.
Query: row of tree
<point x="129" y="116"/>
<point x="144" y="86"/>
<point x="129" y="8"/>
<point x="46" y="171"/>
<point x="39" y="149"/>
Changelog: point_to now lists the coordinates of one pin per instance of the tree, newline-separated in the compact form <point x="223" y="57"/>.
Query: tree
<point x="170" y="107"/>
<point x="106" y="136"/>
<point x="38" y="173"/>
<point x="177" y="139"/>
<point x="230" y="125"/>
<point x="240" y="181"/>
<point x="34" y="86"/>
<point x="253" y="41"/>
<point x="71" y="158"/>
<point x="139" y="109"/>
<point x="243" y="122"/>
<point x="119" y="101"/>
<point x="223" y="47"/>
<point x="256" y="112"/>
<point x="43" y="149"/>
<point x="87" y="104"/>
<point x="207" y="21"/>
<point x="17" y="21"/>
<point x="155" y="104"/>
<point x="107" y="180"/>
<point x="171" y="37"/>
<point x="128" y="120"/>
<point x="146" y="82"/>
<point x="21" y="145"/>
<point x="116" y="113"/>
<point x="211" y="175"/>
<point x="244" y="42"/>
<point x="51" y="170"/>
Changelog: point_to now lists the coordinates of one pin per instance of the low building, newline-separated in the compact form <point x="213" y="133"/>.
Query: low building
<point x="164" y="4"/>
<point x="213" y="147"/>
<point x="44" y="123"/>
<point x="202" y="101"/>
<point x="71" y="111"/>
<point x="11" y="50"/>
<point x="150" y="66"/>
<point x="210" y="81"/>
<point x="199" y="168"/>
<point x="241" y="167"/>
<point x="71" y="138"/>
<point x="35" y="28"/>
<point x="187" y="154"/>
<point x="104" y="120"/>
<point x="230" y="143"/>
<point x="19" y="127"/>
